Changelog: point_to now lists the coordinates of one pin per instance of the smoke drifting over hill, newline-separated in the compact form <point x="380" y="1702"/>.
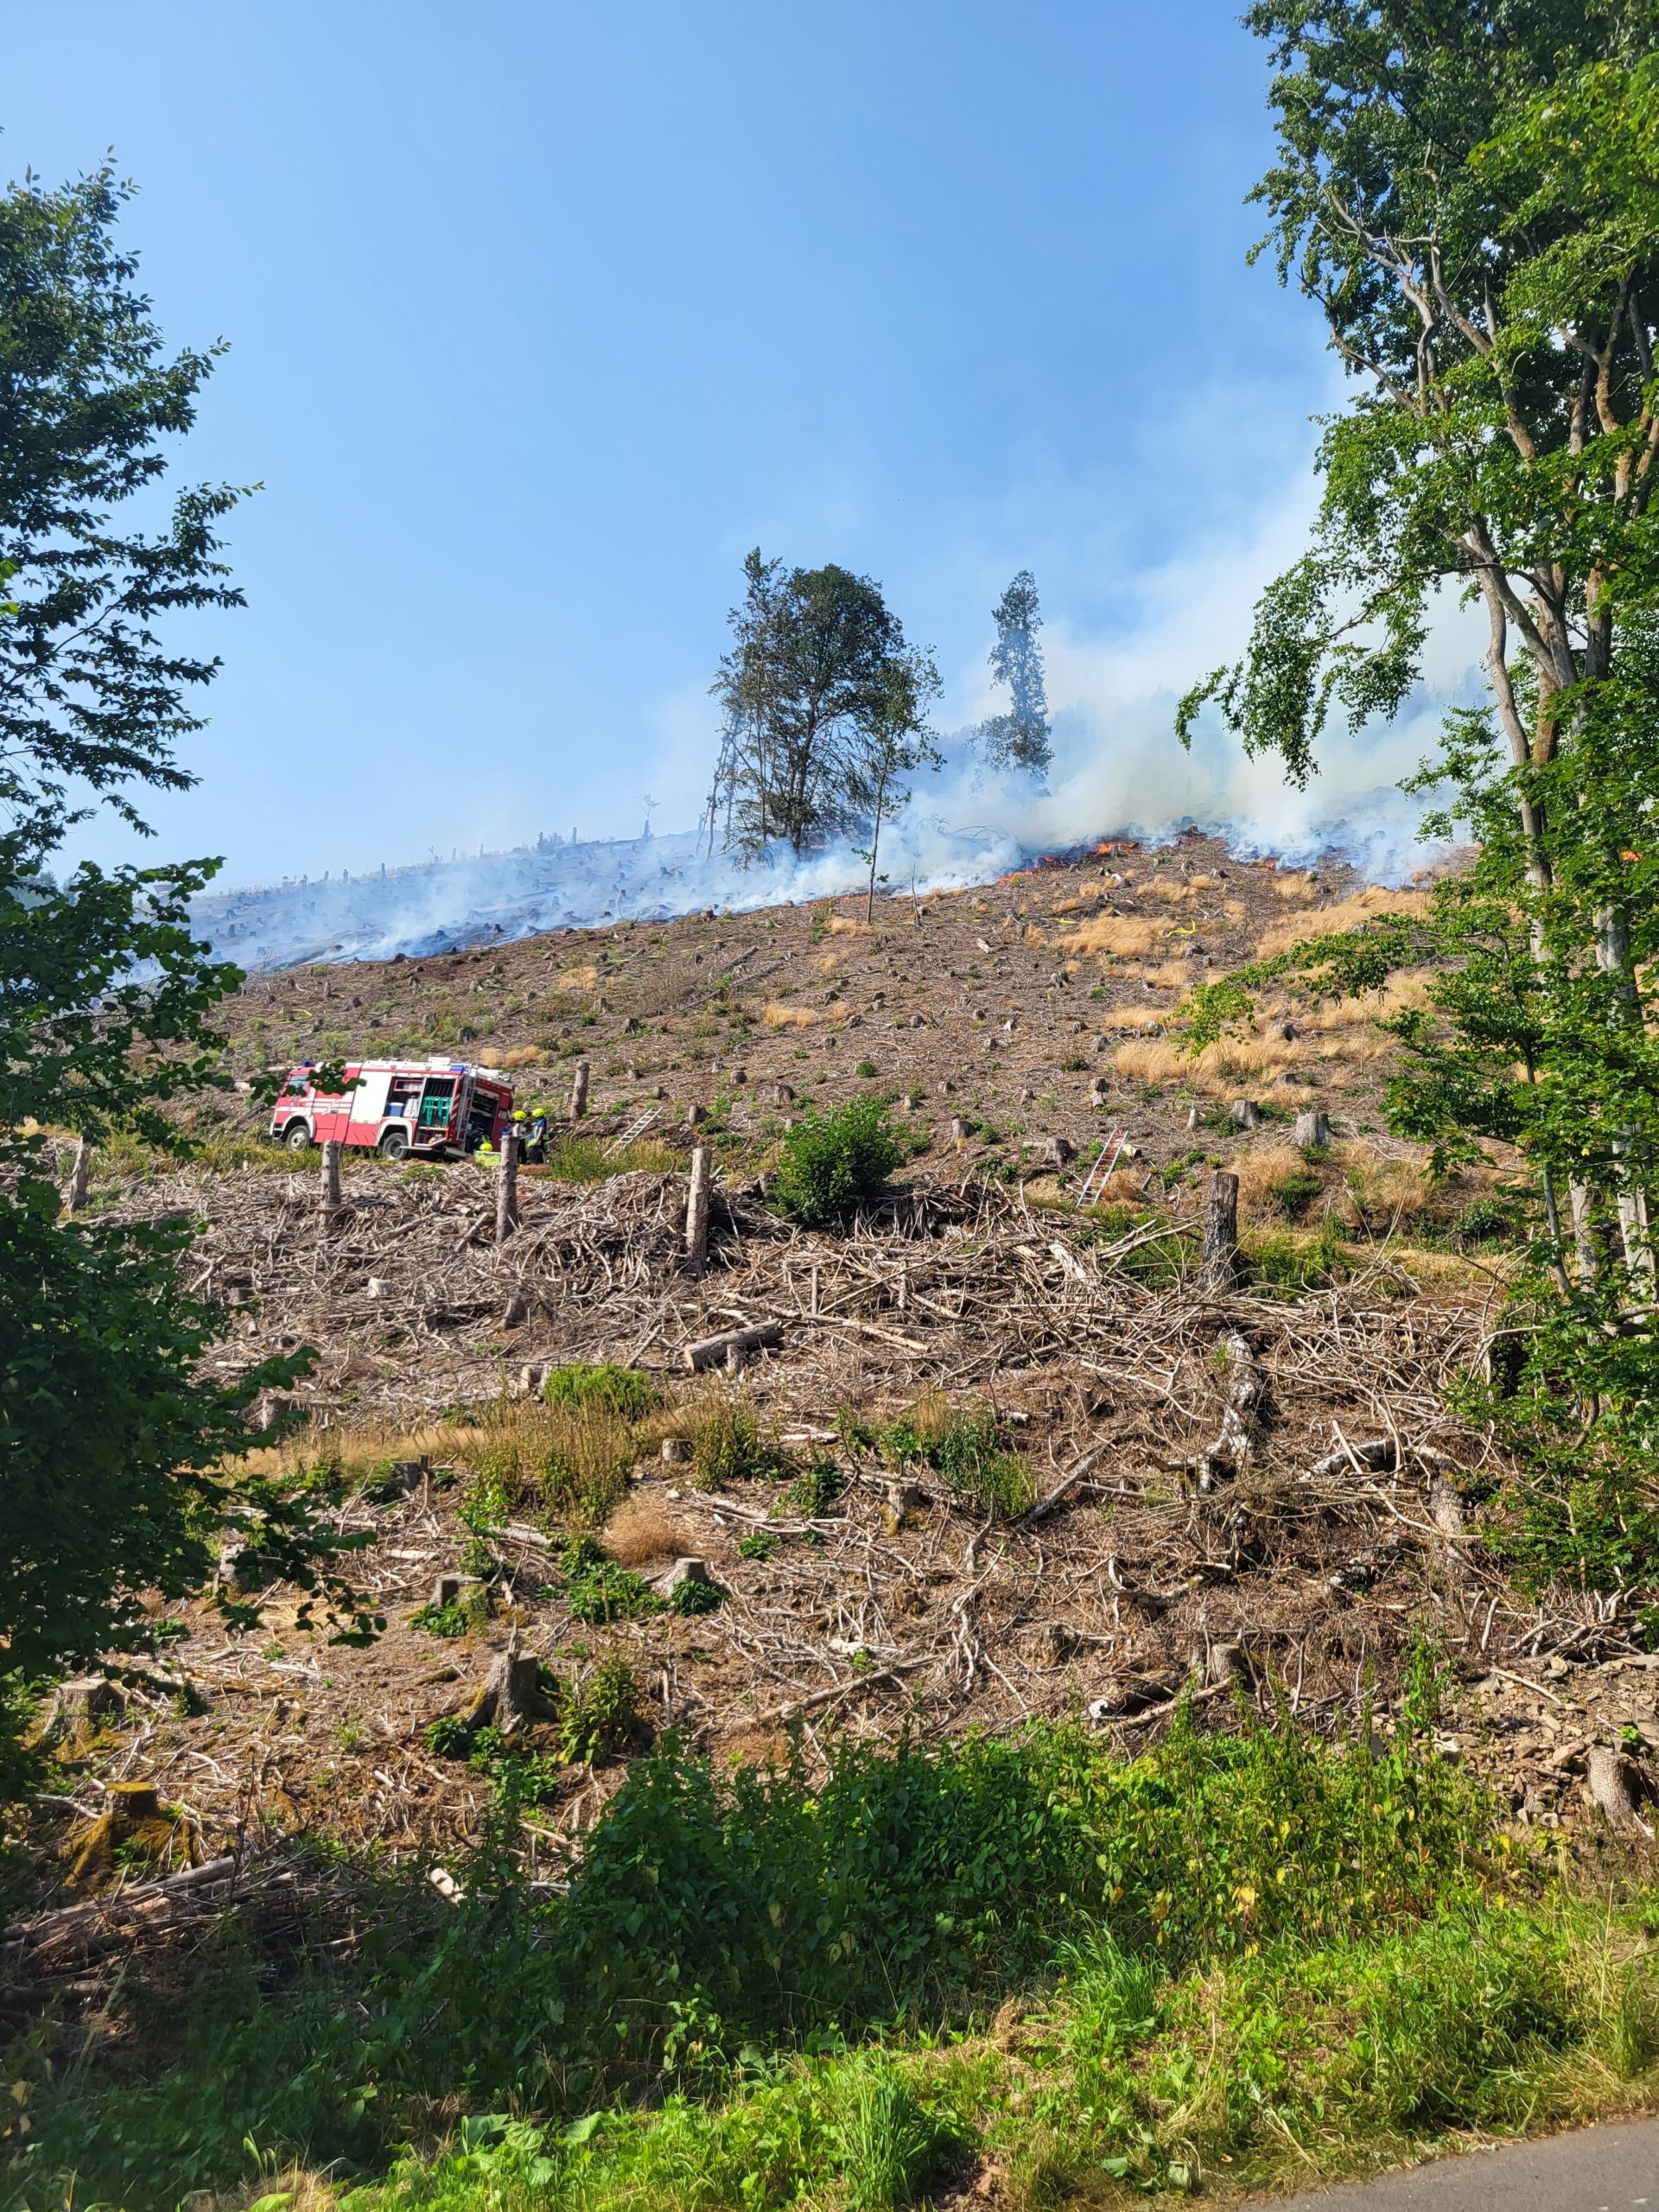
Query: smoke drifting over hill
<point x="1129" y="779"/>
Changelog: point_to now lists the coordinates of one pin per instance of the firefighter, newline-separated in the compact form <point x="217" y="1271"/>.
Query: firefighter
<point x="536" y="1135"/>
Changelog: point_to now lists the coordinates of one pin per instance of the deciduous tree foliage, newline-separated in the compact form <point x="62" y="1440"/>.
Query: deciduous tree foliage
<point x="819" y="690"/>
<point x="110" y="1442"/>
<point x="1471" y="193"/>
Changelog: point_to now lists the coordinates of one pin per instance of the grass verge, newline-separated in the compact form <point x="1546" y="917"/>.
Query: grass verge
<point x="1236" y="1959"/>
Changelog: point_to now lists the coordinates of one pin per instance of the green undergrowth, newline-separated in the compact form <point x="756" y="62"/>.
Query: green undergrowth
<point x="761" y="1989"/>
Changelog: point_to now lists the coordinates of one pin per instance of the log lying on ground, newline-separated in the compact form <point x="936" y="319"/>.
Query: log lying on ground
<point x="716" y="1351"/>
<point x="1240" y="1416"/>
<point x="1375" y="1456"/>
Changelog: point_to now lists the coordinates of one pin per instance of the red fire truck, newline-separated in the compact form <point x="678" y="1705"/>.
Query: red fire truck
<point x="422" y="1110"/>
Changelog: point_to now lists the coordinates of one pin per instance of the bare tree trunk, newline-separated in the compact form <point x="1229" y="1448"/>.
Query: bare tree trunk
<point x="579" y="1093"/>
<point x="875" y="847"/>
<point x="506" y="1188"/>
<point x="696" y="1209"/>
<point x="80" y="1174"/>
<point x="1218" y="1261"/>
<point x="1613" y="958"/>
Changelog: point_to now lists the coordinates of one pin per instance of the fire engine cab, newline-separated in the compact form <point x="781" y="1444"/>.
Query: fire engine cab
<point x="423" y="1109"/>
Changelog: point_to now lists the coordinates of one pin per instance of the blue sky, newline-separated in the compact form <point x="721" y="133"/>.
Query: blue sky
<point x="541" y="315"/>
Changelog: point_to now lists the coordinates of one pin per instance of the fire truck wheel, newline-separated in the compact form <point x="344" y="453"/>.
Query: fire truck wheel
<point x="394" y="1144"/>
<point x="297" y="1137"/>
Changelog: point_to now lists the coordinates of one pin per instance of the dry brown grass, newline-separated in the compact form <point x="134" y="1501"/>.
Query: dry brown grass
<point x="1171" y="974"/>
<point x="1291" y="884"/>
<point x="585" y="978"/>
<point x="1217" y="1070"/>
<point x="1175" y="890"/>
<point x="775" y="1016"/>
<point x="1118" y="934"/>
<point x="638" y="1532"/>
<point x="523" y="1055"/>
<point x="1383" y="1192"/>
<point x="1267" y="1175"/>
<point x="1346" y="914"/>
<point x="844" y="926"/>
<point x="1132" y="1014"/>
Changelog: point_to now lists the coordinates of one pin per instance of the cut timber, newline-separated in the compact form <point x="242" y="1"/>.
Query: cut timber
<point x="1068" y="1482"/>
<point x="1240" y="1416"/>
<point x="713" y="1351"/>
<point x="1374" y="1456"/>
<point x="1218" y="1262"/>
<point x="696" y="1209"/>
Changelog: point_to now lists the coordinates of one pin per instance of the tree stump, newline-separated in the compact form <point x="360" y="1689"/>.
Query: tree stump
<point x="512" y="1698"/>
<point x="80" y="1174"/>
<point x="1607" y="1776"/>
<point x="1244" y="1114"/>
<point x="85" y="1701"/>
<point x="507" y="1190"/>
<point x="332" y="1198"/>
<point x="579" y="1093"/>
<point x="1218" y="1260"/>
<point x="1312" y="1130"/>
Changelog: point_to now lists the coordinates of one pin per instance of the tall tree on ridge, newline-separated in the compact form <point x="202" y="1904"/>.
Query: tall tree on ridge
<point x="1021" y="738"/>
<point x="809" y="679"/>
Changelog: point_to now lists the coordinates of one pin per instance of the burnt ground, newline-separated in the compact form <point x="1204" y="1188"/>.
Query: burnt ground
<point x="1297" y="1577"/>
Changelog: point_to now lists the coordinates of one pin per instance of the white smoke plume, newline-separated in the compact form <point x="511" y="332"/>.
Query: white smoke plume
<point x="1117" y="771"/>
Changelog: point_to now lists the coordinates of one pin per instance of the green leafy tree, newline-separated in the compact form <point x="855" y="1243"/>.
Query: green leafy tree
<point x="1474" y="203"/>
<point x="110" y="1441"/>
<point x="816" y="665"/>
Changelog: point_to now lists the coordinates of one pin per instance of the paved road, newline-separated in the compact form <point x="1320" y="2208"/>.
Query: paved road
<point x="1614" y="2168"/>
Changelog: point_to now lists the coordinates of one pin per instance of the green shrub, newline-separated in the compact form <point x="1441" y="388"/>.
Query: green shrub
<point x="441" y="1620"/>
<point x="836" y="1163"/>
<point x="690" y="1598"/>
<point x="1288" y="1263"/>
<point x="965" y="1447"/>
<point x="816" y="1489"/>
<point x="727" y="1443"/>
<point x="597" y="1591"/>
<point x="713" y="1916"/>
<point x="757" y="1545"/>
<point x="624" y="1391"/>
<point x="601" y="1714"/>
